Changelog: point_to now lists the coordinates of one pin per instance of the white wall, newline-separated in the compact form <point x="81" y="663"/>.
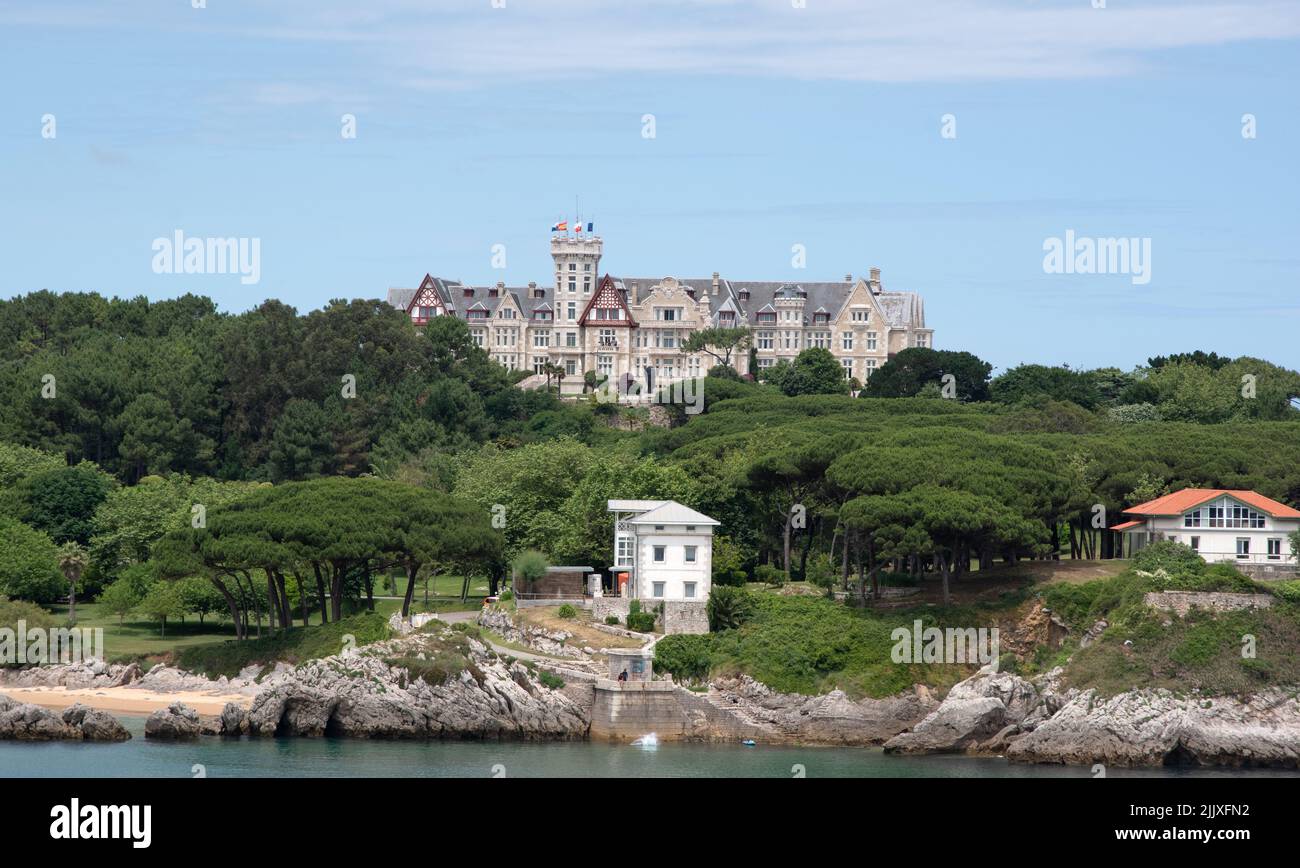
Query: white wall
<point x="674" y="572"/>
<point x="1220" y="543"/>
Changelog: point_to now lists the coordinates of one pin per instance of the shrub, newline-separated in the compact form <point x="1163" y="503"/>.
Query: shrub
<point x="728" y="608"/>
<point x="642" y="622"/>
<point x="530" y="565"/>
<point x="769" y="575"/>
<point x="554" y="682"/>
<point x="1174" y="558"/>
<point x="567" y="611"/>
<point x="506" y="596"/>
<point x="611" y="620"/>
<point x="687" y="657"/>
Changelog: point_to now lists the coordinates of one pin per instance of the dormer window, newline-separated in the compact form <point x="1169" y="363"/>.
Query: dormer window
<point x="469" y="292"/>
<point x="744" y="295"/>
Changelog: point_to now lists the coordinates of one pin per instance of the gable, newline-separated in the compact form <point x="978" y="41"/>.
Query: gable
<point x="607" y="297"/>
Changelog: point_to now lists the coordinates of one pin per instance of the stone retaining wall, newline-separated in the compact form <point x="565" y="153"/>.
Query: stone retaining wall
<point x="624" y="712"/>
<point x="1182" y="602"/>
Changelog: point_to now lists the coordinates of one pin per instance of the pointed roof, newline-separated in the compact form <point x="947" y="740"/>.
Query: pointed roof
<point x="1189" y="498"/>
<point x="608" y="295"/>
<point x="672" y="512"/>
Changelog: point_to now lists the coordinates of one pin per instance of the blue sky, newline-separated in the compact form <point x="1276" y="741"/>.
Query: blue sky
<point x="774" y="125"/>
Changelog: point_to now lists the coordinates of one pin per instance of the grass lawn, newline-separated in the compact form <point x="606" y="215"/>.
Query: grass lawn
<point x="439" y="586"/>
<point x="136" y="637"/>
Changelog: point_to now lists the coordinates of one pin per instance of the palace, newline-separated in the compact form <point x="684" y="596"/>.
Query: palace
<point x="632" y="328"/>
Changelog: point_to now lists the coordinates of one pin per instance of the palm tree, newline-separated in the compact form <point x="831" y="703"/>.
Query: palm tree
<point x="72" y="563"/>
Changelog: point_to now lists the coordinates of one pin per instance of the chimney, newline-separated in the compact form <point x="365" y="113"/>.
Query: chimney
<point x="875" y="280"/>
<point x="715" y="282"/>
<point x="635" y="293"/>
<point x="848" y="278"/>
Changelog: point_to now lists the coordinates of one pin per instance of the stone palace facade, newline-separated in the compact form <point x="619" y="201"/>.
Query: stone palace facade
<point x="633" y="327"/>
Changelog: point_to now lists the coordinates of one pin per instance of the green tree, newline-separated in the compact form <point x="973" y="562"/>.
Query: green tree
<point x="28" y="563"/>
<point x="814" y="372"/>
<point x="720" y="343"/>
<point x="301" y="445"/>
<point x="910" y="370"/>
<point x="162" y="602"/>
<point x="119" y="599"/>
<point x="62" y="502"/>
<point x="72" y="560"/>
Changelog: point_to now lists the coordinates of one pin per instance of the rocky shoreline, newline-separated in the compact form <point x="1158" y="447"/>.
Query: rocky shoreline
<point x="439" y="682"/>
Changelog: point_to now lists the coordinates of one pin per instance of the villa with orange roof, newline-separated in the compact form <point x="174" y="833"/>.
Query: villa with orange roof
<point x="1241" y="527"/>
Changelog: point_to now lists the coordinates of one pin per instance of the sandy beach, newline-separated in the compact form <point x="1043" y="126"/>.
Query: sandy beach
<point x="125" y="700"/>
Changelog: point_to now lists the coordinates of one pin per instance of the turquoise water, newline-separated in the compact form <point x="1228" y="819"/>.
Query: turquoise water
<point x="328" y="757"/>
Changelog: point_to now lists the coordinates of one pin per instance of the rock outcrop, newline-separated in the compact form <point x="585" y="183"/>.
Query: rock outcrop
<point x="23" y="721"/>
<point x="465" y="691"/>
<point x="178" y="722"/>
<point x="978" y="715"/>
<point x="1155" y="727"/>
<point x="832" y="718"/>
<point x="92" y="673"/>
<point x="539" y="639"/>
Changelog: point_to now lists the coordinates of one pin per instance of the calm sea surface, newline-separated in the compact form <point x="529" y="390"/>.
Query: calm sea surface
<point x="243" y="758"/>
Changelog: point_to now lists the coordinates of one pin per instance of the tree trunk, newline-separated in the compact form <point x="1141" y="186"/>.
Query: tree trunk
<point x="320" y="591"/>
<point x="412" y="570"/>
<point x="789" y="519"/>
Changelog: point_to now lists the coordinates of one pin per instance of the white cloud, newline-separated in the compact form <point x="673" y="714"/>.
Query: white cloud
<point x="460" y="43"/>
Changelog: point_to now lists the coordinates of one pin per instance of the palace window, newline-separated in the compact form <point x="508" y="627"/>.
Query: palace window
<point x="870" y="368"/>
<point x="846" y="341"/>
<point x="765" y="340"/>
<point x="541" y="339"/>
<point x="477" y="334"/>
<point x="605" y="365"/>
<point x="871" y="340"/>
<point x="570" y="367"/>
<point x="923" y="340"/>
<point x="847" y="364"/>
<point x="861" y="316"/>
<point x="821" y="340"/>
<point x="570" y="339"/>
<point x="573" y="311"/>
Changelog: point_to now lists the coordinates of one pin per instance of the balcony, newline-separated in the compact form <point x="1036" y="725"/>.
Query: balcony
<point x="607" y="342"/>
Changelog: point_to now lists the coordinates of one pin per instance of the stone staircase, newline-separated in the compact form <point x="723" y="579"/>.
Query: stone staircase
<point x="741" y="714"/>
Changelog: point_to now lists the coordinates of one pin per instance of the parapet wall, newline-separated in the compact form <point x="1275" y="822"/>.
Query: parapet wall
<point x="679" y="616"/>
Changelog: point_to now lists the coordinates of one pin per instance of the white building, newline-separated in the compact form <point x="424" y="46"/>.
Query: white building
<point x="1242" y="527"/>
<point x="662" y="550"/>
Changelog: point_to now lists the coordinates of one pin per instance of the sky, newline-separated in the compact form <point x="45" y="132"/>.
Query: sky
<point x="944" y="142"/>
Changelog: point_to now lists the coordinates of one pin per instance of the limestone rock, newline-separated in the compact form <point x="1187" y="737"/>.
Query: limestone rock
<point x="176" y="722"/>
<point x="26" y="722"/>
<point x="979" y="714"/>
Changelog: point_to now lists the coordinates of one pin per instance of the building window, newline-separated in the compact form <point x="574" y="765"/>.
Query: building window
<point x="923" y="340"/>
<point x="573" y="310"/>
<point x="1243" y="547"/>
<point x="1274" y="549"/>
<point x="847" y="364"/>
<point x="571" y="339"/>
<point x="1196" y="543"/>
<point x="846" y="341"/>
<point x="870" y="368"/>
<point x="605" y="365"/>
<point x="570" y="367"/>
<point x="659" y="554"/>
<point x="871" y="340"/>
<point x="658" y="589"/>
<point x="861" y="316"/>
<point x="690" y="554"/>
<point x="690" y="528"/>
<point x="623" y="551"/>
<point x="690" y="590"/>
<point x="1192" y="519"/>
<point x="765" y="340"/>
<point x="541" y="339"/>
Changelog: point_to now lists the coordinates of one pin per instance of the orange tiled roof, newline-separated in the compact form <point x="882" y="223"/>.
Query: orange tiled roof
<point x="1129" y="524"/>
<point x="1190" y="498"/>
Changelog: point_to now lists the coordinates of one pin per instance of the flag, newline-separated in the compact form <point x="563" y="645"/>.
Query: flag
<point x="589" y="225"/>
<point x="577" y="227"/>
<point x="562" y="226"/>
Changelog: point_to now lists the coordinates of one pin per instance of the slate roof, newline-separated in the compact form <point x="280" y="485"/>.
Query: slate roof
<point x="901" y="309"/>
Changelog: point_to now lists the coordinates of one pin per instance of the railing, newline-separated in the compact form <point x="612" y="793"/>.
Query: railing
<point x="1279" y="560"/>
